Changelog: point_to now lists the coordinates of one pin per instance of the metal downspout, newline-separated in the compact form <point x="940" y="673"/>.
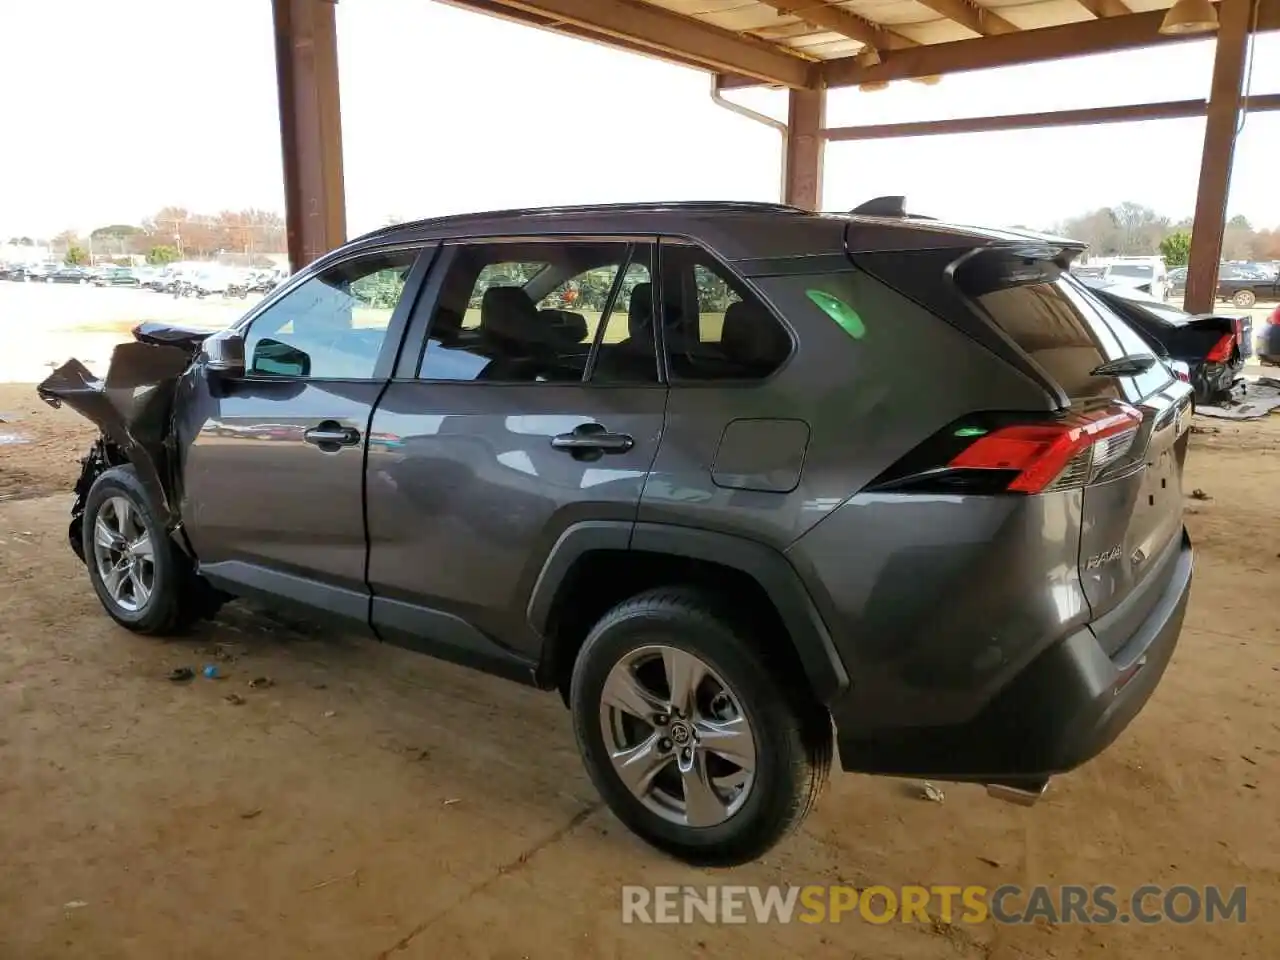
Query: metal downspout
<point x="719" y="100"/>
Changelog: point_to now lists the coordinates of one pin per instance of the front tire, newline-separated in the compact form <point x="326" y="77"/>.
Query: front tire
<point x="141" y="577"/>
<point x="1244" y="298"/>
<point x="697" y="745"/>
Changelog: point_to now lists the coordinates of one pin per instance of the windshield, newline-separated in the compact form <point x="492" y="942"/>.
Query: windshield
<point x="1132" y="270"/>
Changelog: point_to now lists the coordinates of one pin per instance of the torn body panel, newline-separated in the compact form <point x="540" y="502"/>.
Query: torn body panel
<point x="133" y="407"/>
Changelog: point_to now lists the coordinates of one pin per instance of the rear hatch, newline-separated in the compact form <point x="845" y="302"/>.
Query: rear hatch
<point x="1108" y="379"/>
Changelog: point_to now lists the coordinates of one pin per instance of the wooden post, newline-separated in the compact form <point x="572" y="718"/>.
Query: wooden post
<point x="802" y="153"/>
<point x="1216" y="158"/>
<point x="310" y="127"/>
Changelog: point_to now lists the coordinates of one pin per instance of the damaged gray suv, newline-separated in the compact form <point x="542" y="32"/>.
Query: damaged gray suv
<point x="745" y="484"/>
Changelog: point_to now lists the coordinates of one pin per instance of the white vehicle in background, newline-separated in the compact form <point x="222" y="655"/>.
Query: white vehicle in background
<point x="1146" y="274"/>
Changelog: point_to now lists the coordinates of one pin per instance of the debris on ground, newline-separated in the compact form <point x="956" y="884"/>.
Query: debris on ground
<point x="353" y="875"/>
<point x="1198" y="494"/>
<point x="261" y="683"/>
<point x="932" y="793"/>
<point x="330" y="713"/>
<point x="74" y="904"/>
<point x="250" y="814"/>
<point x="210" y="671"/>
<point x="181" y="674"/>
<point x="1196" y="428"/>
<point x="989" y="862"/>
<point x="234" y="699"/>
<point x="1254" y="400"/>
<point x="451" y="801"/>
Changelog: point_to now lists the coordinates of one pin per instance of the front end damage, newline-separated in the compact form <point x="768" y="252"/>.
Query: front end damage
<point x="133" y="408"/>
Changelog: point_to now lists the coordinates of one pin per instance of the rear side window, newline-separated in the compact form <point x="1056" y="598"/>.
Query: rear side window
<point x="1030" y="302"/>
<point x="714" y="327"/>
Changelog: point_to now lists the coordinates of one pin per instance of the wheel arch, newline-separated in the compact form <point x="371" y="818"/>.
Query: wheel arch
<point x="595" y="564"/>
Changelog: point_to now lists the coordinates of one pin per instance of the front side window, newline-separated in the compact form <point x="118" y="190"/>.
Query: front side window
<point x="538" y="312"/>
<point x="332" y="326"/>
<point x="713" y="326"/>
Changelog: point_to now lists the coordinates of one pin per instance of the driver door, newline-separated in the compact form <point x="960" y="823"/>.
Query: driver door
<point x="273" y="478"/>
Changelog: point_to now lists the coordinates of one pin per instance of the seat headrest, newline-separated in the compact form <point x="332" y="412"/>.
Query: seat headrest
<point x="640" y="311"/>
<point x="508" y="313"/>
<point x="751" y="337"/>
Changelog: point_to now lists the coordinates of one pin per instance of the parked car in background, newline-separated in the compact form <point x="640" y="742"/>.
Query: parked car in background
<point x="732" y="528"/>
<point x="41" y="271"/>
<point x="1147" y="274"/>
<point x="1177" y="282"/>
<point x="116" y="277"/>
<point x="16" y="272"/>
<point x="1213" y="348"/>
<point x="1246" y="284"/>
<point x="67" y="274"/>
<point x="1269" y="342"/>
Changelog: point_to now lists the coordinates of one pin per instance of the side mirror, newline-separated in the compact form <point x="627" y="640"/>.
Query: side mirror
<point x="276" y="359"/>
<point x="223" y="354"/>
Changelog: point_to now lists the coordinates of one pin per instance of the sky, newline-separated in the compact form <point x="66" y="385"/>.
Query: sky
<point x="113" y="110"/>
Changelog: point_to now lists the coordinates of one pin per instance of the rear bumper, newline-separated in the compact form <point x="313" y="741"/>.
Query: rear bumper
<point x="1065" y="708"/>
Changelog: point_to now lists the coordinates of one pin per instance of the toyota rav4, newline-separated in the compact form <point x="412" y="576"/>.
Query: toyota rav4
<point x="743" y="483"/>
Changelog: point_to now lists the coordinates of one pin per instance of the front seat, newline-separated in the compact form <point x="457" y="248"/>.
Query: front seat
<point x="510" y="333"/>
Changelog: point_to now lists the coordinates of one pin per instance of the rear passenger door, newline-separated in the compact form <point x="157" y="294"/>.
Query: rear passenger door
<point x="527" y="397"/>
<point x="733" y="448"/>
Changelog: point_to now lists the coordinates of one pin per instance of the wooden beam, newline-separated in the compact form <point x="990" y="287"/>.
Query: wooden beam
<point x="1165" y="110"/>
<point x="1216" y="158"/>
<point x="1106" y="8"/>
<point x="803" y="150"/>
<point x="631" y="24"/>
<point x="310" y="127"/>
<point x="820" y="14"/>
<point x="1027" y="46"/>
<point x="980" y="20"/>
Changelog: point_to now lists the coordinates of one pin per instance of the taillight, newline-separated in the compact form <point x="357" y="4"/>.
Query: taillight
<point x="1057" y="455"/>
<point x="1221" y="351"/>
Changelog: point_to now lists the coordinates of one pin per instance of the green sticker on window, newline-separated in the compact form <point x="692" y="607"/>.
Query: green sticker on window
<point x="970" y="432"/>
<point x="840" y="312"/>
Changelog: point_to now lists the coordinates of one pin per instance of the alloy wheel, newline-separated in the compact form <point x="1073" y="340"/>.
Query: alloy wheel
<point x="677" y="736"/>
<point x="124" y="554"/>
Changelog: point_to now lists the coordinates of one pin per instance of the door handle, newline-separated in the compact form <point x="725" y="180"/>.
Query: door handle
<point x="592" y="438"/>
<point x="330" y="435"/>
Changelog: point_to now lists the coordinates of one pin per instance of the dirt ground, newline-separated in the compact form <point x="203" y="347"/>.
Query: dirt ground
<point x="377" y="804"/>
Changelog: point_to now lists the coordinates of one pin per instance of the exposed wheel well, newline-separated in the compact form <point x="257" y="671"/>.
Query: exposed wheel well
<point x="601" y="579"/>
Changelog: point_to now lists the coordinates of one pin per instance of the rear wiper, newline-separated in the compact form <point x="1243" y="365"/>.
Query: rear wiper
<point x="1129" y="366"/>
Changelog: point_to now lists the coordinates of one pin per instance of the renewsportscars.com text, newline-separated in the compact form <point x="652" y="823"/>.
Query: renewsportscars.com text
<point x="971" y="904"/>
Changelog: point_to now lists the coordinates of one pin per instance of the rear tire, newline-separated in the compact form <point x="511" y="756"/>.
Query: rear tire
<point x="142" y="579"/>
<point x="741" y="709"/>
<point x="1244" y="298"/>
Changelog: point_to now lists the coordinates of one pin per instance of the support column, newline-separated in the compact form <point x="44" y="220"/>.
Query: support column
<point x="310" y="127"/>
<point x="804" y="147"/>
<point x="1219" y="151"/>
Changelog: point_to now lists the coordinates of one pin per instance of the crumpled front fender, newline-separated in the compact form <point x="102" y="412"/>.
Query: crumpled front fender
<point x="132" y="406"/>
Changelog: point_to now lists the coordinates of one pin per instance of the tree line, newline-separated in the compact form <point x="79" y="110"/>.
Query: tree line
<point x="174" y="233"/>
<point x="1131" y="229"/>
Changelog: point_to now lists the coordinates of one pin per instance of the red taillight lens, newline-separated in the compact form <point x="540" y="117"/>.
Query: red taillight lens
<point x="1221" y="351"/>
<point x="1056" y="455"/>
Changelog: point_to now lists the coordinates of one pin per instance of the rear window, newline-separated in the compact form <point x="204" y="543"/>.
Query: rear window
<point x="1031" y="303"/>
<point x="1059" y="324"/>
